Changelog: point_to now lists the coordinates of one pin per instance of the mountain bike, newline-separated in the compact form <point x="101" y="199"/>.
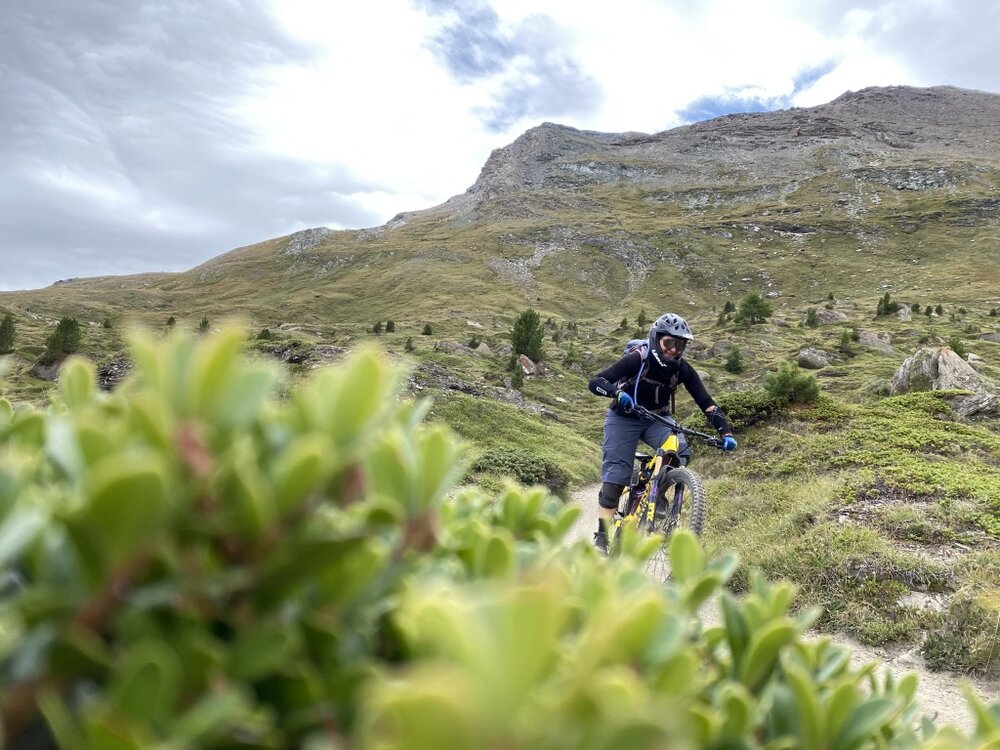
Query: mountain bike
<point x="664" y="494"/>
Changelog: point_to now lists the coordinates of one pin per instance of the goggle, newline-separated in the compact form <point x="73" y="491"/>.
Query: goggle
<point x="671" y="343"/>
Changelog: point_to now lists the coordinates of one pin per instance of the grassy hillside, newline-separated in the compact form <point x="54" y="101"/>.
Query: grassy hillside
<point x="886" y="510"/>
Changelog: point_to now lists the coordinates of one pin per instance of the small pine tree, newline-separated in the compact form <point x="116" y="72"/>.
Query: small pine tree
<point x="377" y="328"/>
<point x="928" y="311"/>
<point x="408" y="346"/>
<point x="427" y="329"/>
<point x="265" y="334"/>
<point x="642" y="321"/>
<point x="994" y="312"/>
<point x="812" y="317"/>
<point x="171" y="321"/>
<point x="958" y="347"/>
<point x="390" y="326"/>
<point x="790" y="385"/>
<point x="7" y="334"/>
<point x="886" y="306"/>
<point x="107" y="323"/>
<point x="830" y="297"/>
<point x="915" y="308"/>
<point x="753" y="309"/>
<point x="845" y="343"/>
<point x="474" y="342"/>
<point x="526" y="336"/>
<point x="734" y="360"/>
<point x="623" y="325"/>
<point x="203" y="325"/>
<point x="63" y="341"/>
<point x="517" y="379"/>
<point x="728" y="307"/>
<point x="939" y="310"/>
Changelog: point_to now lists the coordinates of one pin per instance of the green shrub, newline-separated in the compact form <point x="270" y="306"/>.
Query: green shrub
<point x="523" y="466"/>
<point x="886" y="306"/>
<point x="747" y="408"/>
<point x="753" y="309"/>
<point x="427" y="329"/>
<point x="390" y="326"/>
<point x="958" y="346"/>
<point x="194" y="562"/>
<point x="203" y="325"/>
<point x="812" y="317"/>
<point x="7" y="330"/>
<point x="63" y="341"/>
<point x="790" y="385"/>
<point x="526" y="336"/>
<point x="734" y="360"/>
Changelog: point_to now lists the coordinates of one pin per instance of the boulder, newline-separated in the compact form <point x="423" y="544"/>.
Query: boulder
<point x="994" y="337"/>
<point x="529" y="367"/>
<point x="814" y="359"/>
<point x="483" y="351"/>
<point x="45" y="370"/>
<point x="940" y="369"/>
<point x="880" y="342"/>
<point x="826" y="316"/>
<point x="452" y="347"/>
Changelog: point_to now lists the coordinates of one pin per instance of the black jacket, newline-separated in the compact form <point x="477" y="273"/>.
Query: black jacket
<point x="658" y="381"/>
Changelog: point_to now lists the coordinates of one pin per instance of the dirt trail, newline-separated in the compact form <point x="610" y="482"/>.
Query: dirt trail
<point x="938" y="693"/>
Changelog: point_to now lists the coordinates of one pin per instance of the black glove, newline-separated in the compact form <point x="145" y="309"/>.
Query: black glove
<point x="717" y="418"/>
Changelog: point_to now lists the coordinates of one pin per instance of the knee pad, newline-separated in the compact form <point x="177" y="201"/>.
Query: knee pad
<point x="610" y="494"/>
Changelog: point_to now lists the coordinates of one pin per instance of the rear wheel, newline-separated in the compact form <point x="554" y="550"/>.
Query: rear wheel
<point x="681" y="504"/>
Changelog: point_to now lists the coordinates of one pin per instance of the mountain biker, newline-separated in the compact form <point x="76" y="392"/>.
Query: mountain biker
<point x="650" y="380"/>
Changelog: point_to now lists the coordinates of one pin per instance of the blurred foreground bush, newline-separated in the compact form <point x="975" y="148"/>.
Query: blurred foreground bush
<point x="192" y="563"/>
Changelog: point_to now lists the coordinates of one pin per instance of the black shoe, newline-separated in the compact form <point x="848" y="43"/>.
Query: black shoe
<point x="601" y="542"/>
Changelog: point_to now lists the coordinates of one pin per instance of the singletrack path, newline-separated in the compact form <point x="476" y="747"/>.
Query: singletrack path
<point x="938" y="693"/>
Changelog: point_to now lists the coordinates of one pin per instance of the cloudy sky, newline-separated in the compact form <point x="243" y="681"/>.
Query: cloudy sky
<point x="148" y="135"/>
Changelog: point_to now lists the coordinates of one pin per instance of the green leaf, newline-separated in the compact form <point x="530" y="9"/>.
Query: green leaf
<point x="127" y="506"/>
<point x="705" y="586"/>
<point x="214" y="371"/>
<point x="262" y="649"/>
<point x="840" y="705"/>
<point x="863" y="723"/>
<point x="77" y="382"/>
<point x="495" y="558"/>
<point x="737" y="629"/>
<point x="686" y="556"/>
<point x="763" y="651"/>
<point x="303" y="468"/>
<point x="65" y="730"/>
<point x="18" y="530"/>
<point x="147" y="683"/>
<point x="807" y="705"/>
<point x="737" y="707"/>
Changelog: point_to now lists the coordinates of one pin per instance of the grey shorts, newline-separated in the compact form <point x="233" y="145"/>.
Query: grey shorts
<point x="621" y="438"/>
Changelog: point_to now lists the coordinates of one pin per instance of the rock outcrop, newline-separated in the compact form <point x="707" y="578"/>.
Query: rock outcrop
<point x="942" y="369"/>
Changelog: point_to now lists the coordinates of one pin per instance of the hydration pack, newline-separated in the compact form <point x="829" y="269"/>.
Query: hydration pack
<point x="631" y="385"/>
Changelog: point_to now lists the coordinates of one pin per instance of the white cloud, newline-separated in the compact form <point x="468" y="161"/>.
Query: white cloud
<point x="143" y="131"/>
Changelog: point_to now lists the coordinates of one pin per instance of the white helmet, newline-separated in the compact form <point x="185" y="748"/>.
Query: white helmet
<point x="668" y="324"/>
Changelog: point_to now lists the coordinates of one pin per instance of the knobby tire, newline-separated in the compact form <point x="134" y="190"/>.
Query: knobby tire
<point x="691" y="516"/>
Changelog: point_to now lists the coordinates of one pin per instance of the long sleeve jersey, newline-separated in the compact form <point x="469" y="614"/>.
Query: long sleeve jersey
<point x="656" y="383"/>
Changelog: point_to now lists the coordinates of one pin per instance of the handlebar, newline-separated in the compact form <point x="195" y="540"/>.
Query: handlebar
<point x="645" y="413"/>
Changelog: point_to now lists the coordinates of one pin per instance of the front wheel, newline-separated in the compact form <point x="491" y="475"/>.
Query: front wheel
<point x="680" y="504"/>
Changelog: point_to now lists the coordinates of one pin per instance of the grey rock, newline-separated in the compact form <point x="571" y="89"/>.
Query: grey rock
<point x="453" y="347"/>
<point x="880" y="342"/>
<point x="45" y="371"/>
<point x="942" y="369"/>
<point x="825" y="316"/>
<point x="814" y="359"/>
